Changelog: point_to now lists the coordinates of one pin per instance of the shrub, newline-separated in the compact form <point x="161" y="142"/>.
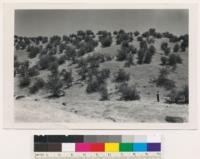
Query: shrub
<point x="184" y="45"/>
<point x="168" y="84"/>
<point x="45" y="61"/>
<point x="164" y="46"/>
<point x="128" y="92"/>
<point x="176" y="48"/>
<point x="152" y="49"/>
<point x="53" y="67"/>
<point x="33" y="71"/>
<point x="82" y="62"/>
<point x="164" y="60"/>
<point x="92" y="85"/>
<point x="16" y="62"/>
<point x="54" y="85"/>
<point x="129" y="60"/>
<point x="158" y="35"/>
<point x="61" y="59"/>
<point x="183" y="95"/>
<point x="121" y="55"/>
<point x="163" y="81"/>
<point x="141" y="54"/>
<point x="104" y="93"/>
<point x="24" y="82"/>
<point x="33" y="51"/>
<point x="83" y="72"/>
<point x="108" y="57"/>
<point x="86" y="46"/>
<point x="136" y="33"/>
<point x="152" y="31"/>
<point x="103" y="74"/>
<point x="167" y="51"/>
<point x="106" y="42"/>
<point x="139" y="38"/>
<point x="123" y="37"/>
<point x="150" y="40"/>
<point x="37" y="85"/>
<point x="174" y="59"/>
<point x="23" y="68"/>
<point x="121" y="76"/>
<point x="148" y="57"/>
<point x="70" y="53"/>
<point x="125" y="50"/>
<point x="67" y="77"/>
<point x="55" y="40"/>
<point x="185" y="41"/>
<point x="178" y="96"/>
<point x="105" y="38"/>
<point x="143" y="45"/>
<point x="93" y="63"/>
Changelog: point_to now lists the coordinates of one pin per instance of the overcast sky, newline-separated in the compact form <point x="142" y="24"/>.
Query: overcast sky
<point x="59" y="22"/>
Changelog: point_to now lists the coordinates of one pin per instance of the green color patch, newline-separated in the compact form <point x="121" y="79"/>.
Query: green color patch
<point x="126" y="147"/>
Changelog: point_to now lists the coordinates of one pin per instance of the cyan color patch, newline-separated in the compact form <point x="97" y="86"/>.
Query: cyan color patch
<point x="140" y="147"/>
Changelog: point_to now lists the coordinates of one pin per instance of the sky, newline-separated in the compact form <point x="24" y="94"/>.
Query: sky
<point x="64" y="22"/>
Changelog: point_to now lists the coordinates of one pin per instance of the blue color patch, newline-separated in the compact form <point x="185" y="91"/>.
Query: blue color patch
<point x="140" y="147"/>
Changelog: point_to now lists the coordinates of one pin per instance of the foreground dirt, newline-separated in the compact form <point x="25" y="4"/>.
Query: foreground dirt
<point x="64" y="110"/>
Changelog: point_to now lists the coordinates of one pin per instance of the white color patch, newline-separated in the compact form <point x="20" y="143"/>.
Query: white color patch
<point x="69" y="147"/>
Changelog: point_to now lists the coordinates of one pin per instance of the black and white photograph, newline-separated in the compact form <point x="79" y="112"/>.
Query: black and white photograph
<point x="107" y="65"/>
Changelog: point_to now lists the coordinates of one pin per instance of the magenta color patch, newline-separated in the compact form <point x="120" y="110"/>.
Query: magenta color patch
<point x="83" y="147"/>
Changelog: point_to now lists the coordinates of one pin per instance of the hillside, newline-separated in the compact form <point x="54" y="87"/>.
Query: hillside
<point x="109" y="101"/>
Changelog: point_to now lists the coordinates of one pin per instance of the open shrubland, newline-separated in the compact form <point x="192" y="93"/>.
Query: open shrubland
<point x="104" y="66"/>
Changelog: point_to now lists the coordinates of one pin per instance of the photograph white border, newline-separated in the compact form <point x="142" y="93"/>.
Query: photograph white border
<point x="8" y="48"/>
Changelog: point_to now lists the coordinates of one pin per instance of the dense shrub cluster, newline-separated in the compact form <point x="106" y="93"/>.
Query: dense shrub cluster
<point x="39" y="84"/>
<point x="33" y="51"/>
<point x="145" y="53"/>
<point x="103" y="93"/>
<point x="54" y="85"/>
<point x="176" y="48"/>
<point x="23" y="43"/>
<point x="87" y="46"/>
<point x="165" y="48"/>
<point x="24" y="82"/>
<point x="105" y="38"/>
<point x="126" y="52"/>
<point x="122" y="36"/>
<point x="171" y="60"/>
<point x="33" y="71"/>
<point x="121" y="76"/>
<point x="163" y="80"/>
<point x="45" y="61"/>
<point x="67" y="77"/>
<point x="22" y="69"/>
<point x="178" y="96"/>
<point x="128" y="92"/>
<point x="96" y="80"/>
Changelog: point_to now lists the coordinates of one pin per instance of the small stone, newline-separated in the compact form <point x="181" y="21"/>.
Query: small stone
<point x="174" y="119"/>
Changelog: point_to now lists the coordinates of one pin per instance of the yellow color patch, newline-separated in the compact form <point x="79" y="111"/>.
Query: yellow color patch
<point x="111" y="147"/>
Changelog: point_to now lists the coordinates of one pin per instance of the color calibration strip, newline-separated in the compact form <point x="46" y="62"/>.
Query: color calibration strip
<point x="97" y="146"/>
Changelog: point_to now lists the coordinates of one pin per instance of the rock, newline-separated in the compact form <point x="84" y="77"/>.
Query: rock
<point x="63" y="103"/>
<point x="174" y="119"/>
<point x="19" y="97"/>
